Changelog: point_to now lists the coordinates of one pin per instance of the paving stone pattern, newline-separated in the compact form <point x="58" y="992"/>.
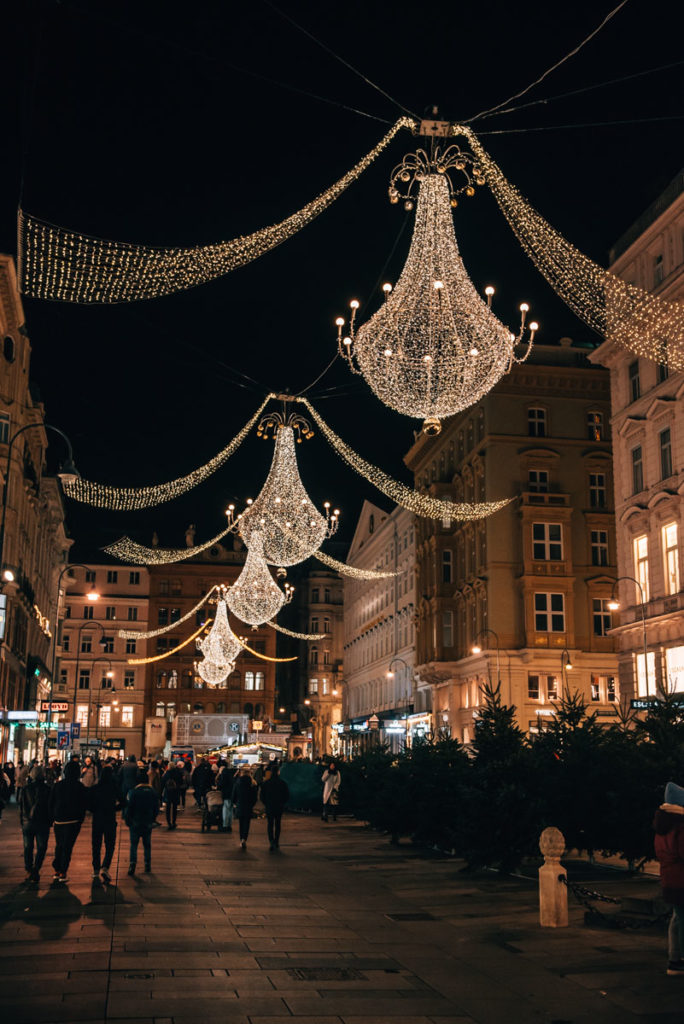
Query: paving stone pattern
<point x="338" y="927"/>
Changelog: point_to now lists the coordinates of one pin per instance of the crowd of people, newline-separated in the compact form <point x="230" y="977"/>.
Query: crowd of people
<point x="59" y="797"/>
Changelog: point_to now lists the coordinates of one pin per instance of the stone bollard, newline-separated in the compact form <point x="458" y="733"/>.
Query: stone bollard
<point x="553" y="893"/>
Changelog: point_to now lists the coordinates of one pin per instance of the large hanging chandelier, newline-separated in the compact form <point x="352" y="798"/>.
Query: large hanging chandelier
<point x="290" y="526"/>
<point x="220" y="647"/>
<point x="434" y="347"/>
<point x="255" y="597"/>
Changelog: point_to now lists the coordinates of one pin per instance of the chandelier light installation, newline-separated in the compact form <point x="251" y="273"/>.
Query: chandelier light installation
<point x="434" y="347"/>
<point x="220" y="647"/>
<point x="291" y="527"/>
<point x="255" y="597"/>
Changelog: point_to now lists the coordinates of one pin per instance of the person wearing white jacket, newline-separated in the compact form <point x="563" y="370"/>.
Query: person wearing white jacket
<point x="331" y="784"/>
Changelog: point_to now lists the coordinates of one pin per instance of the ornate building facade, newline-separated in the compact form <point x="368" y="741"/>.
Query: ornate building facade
<point x="34" y="545"/>
<point x="648" y="464"/>
<point x="522" y="595"/>
<point x="321" y="661"/>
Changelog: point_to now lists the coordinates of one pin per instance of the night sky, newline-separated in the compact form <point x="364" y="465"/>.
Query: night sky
<point x="171" y="124"/>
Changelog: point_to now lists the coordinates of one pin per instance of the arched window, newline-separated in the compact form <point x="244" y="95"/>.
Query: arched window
<point x="160" y="710"/>
<point x="220" y="708"/>
<point x="447" y="566"/>
<point x="249" y="680"/>
<point x="173" y="679"/>
<point x="314" y="656"/>
<point x="161" y="680"/>
<point x="197" y="709"/>
<point x="248" y="709"/>
<point x="170" y="711"/>
<point x="595" y="426"/>
<point x="258" y="680"/>
<point x="258" y="710"/>
<point x="9" y="349"/>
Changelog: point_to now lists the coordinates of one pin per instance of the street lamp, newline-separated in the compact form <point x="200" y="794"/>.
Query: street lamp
<point x="103" y="643"/>
<point x="477" y="649"/>
<point x="108" y="675"/>
<point x="67" y="474"/>
<point x="407" y="698"/>
<point x="92" y="596"/>
<point x="566" y="666"/>
<point x="614" y="606"/>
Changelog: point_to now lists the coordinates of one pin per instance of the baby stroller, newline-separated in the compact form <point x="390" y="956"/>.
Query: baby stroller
<point x="212" y="810"/>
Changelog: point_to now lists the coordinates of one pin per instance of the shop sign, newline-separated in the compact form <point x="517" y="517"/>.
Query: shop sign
<point x="58" y="706"/>
<point x="21" y="716"/>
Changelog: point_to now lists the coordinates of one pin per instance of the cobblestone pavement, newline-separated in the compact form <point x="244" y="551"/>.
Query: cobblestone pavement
<point x="338" y="927"/>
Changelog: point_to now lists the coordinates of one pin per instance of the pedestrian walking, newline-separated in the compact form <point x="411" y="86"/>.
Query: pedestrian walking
<point x="225" y="783"/>
<point x="68" y="800"/>
<point x="90" y="773"/>
<point x="141" y="813"/>
<point x="274" y="797"/>
<point x="669" y="849"/>
<point x="202" y="780"/>
<point x="172" y="780"/>
<point x="10" y="773"/>
<point x="34" y="815"/>
<point x="102" y="799"/>
<point x="21" y="778"/>
<point x="185" y="778"/>
<point x="154" y="777"/>
<point x="331" y="789"/>
<point x="244" y="798"/>
<point x="5" y="791"/>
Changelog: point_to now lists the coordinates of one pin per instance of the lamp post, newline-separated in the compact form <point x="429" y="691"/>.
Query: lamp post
<point x="67" y="473"/>
<point x="477" y="649"/>
<point x="614" y="606"/>
<point x="407" y="698"/>
<point x="566" y="666"/>
<point x="109" y="675"/>
<point x="92" y="596"/>
<point x="88" y="622"/>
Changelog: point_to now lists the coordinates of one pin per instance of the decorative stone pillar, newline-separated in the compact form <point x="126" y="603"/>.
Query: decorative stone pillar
<point x="553" y="892"/>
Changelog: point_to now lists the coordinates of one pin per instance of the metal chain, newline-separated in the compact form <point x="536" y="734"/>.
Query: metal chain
<point x="583" y="896"/>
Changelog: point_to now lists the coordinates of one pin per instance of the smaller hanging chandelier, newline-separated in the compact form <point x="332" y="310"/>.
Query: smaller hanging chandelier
<point x="434" y="347"/>
<point x="290" y="525"/>
<point x="255" y="597"/>
<point x="220" y="647"/>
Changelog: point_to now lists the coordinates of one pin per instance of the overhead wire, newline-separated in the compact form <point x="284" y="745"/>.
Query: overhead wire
<point x="554" y="67"/>
<point x="583" y="124"/>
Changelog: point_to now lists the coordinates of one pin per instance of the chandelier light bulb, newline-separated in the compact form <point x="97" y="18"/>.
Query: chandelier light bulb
<point x="340" y="321"/>
<point x="388" y="351"/>
<point x="354" y="303"/>
<point x="489" y="290"/>
<point x="438" y="285"/>
<point x="474" y="351"/>
<point x="387" y="288"/>
<point x="524" y="308"/>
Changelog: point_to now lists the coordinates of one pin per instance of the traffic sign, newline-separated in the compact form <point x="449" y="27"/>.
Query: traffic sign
<point x="62" y="739"/>
<point x="75" y="730"/>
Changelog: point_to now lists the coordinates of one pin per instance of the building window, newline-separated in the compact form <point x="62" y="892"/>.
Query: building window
<point x="665" y="453"/>
<point x="129" y="679"/>
<point x="326" y="657"/>
<point x="112" y="576"/>
<point x="549" y="613"/>
<point x="602" y="616"/>
<point x="552" y="687"/>
<point x="132" y="614"/>
<point x="162" y="616"/>
<point x="171" y="711"/>
<point x="9" y="349"/>
<point x="249" y="680"/>
<point x="259" y="680"/>
<point x="90" y="576"/>
<point x="326" y="596"/>
<point x="448" y="629"/>
<point x="637" y="470"/>
<point x="595" y="426"/>
<point x="611" y="688"/>
<point x="127" y="716"/>
<point x="547" y="542"/>
<point x="371" y="523"/>
<point x="641" y="565"/>
<point x="314" y="624"/>
<point x="315" y="596"/>
<point x="599" y="547"/>
<point x="658" y="270"/>
<point x="646" y="681"/>
<point x="596" y="688"/>
<point x="66" y="641"/>
<point x="533" y="687"/>
<point x="538" y="481"/>
<point x="634" y="381"/>
<point x="326" y="625"/>
<point x="82" y="715"/>
<point x="326" y="687"/>
<point x="105" y="717"/>
<point x="161" y="680"/>
<point x="134" y="579"/>
<point x="86" y="645"/>
<point x="108" y="644"/>
<point x="175" y="615"/>
<point x="447" y="566"/>
<point x="536" y="422"/>
<point x="4" y="428"/>
<point x="67" y="612"/>
<point x="130" y="646"/>
<point x="87" y="611"/>
<point x="663" y="372"/>
<point x="163" y="586"/>
<point x="671" y="558"/>
<point x="313" y="686"/>
<point x="314" y="656"/>
<point x="110" y="612"/>
<point x="173" y="679"/>
<point x="84" y="679"/>
<point x="162" y="644"/>
<point x="160" y="709"/>
<point x="597" y="490"/>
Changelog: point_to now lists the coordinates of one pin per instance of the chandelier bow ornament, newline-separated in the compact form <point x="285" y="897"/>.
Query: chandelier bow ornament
<point x="434" y="347"/>
<point x="290" y="525"/>
<point x="255" y="597"/>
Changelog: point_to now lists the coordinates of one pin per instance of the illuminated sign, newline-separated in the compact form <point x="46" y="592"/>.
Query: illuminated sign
<point x="57" y="706"/>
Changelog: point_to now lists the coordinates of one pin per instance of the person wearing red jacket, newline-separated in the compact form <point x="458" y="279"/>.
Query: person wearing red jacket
<point x="669" y="849"/>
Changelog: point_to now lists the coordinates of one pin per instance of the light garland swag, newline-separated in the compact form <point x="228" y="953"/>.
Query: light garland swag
<point x="134" y="634"/>
<point x="351" y="570"/>
<point x="297" y="636"/>
<point x="128" y="499"/>
<point x="643" y="323"/>
<point x="127" y="550"/>
<point x="167" y="654"/>
<point x="68" y="266"/>
<point x="420" y="504"/>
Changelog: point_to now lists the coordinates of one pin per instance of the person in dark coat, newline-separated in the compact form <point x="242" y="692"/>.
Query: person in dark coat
<point x="141" y="813"/>
<point x="669" y="849"/>
<point x="172" y="782"/>
<point x="244" y="798"/>
<point x="202" y="780"/>
<point x="128" y="777"/>
<point x="102" y="798"/>
<point x="34" y="814"/>
<point x="224" y="783"/>
<point x="274" y="797"/>
<point x="68" y="800"/>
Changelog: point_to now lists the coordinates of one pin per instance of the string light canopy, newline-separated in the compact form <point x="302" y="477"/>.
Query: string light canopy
<point x="291" y="527"/>
<point x="69" y="266"/>
<point x="353" y="572"/>
<point x="255" y="597"/>
<point x="128" y="550"/>
<point x="174" y="650"/>
<point x="434" y="347"/>
<point x="135" y="634"/>
<point x="420" y="504"/>
<point x="297" y="636"/>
